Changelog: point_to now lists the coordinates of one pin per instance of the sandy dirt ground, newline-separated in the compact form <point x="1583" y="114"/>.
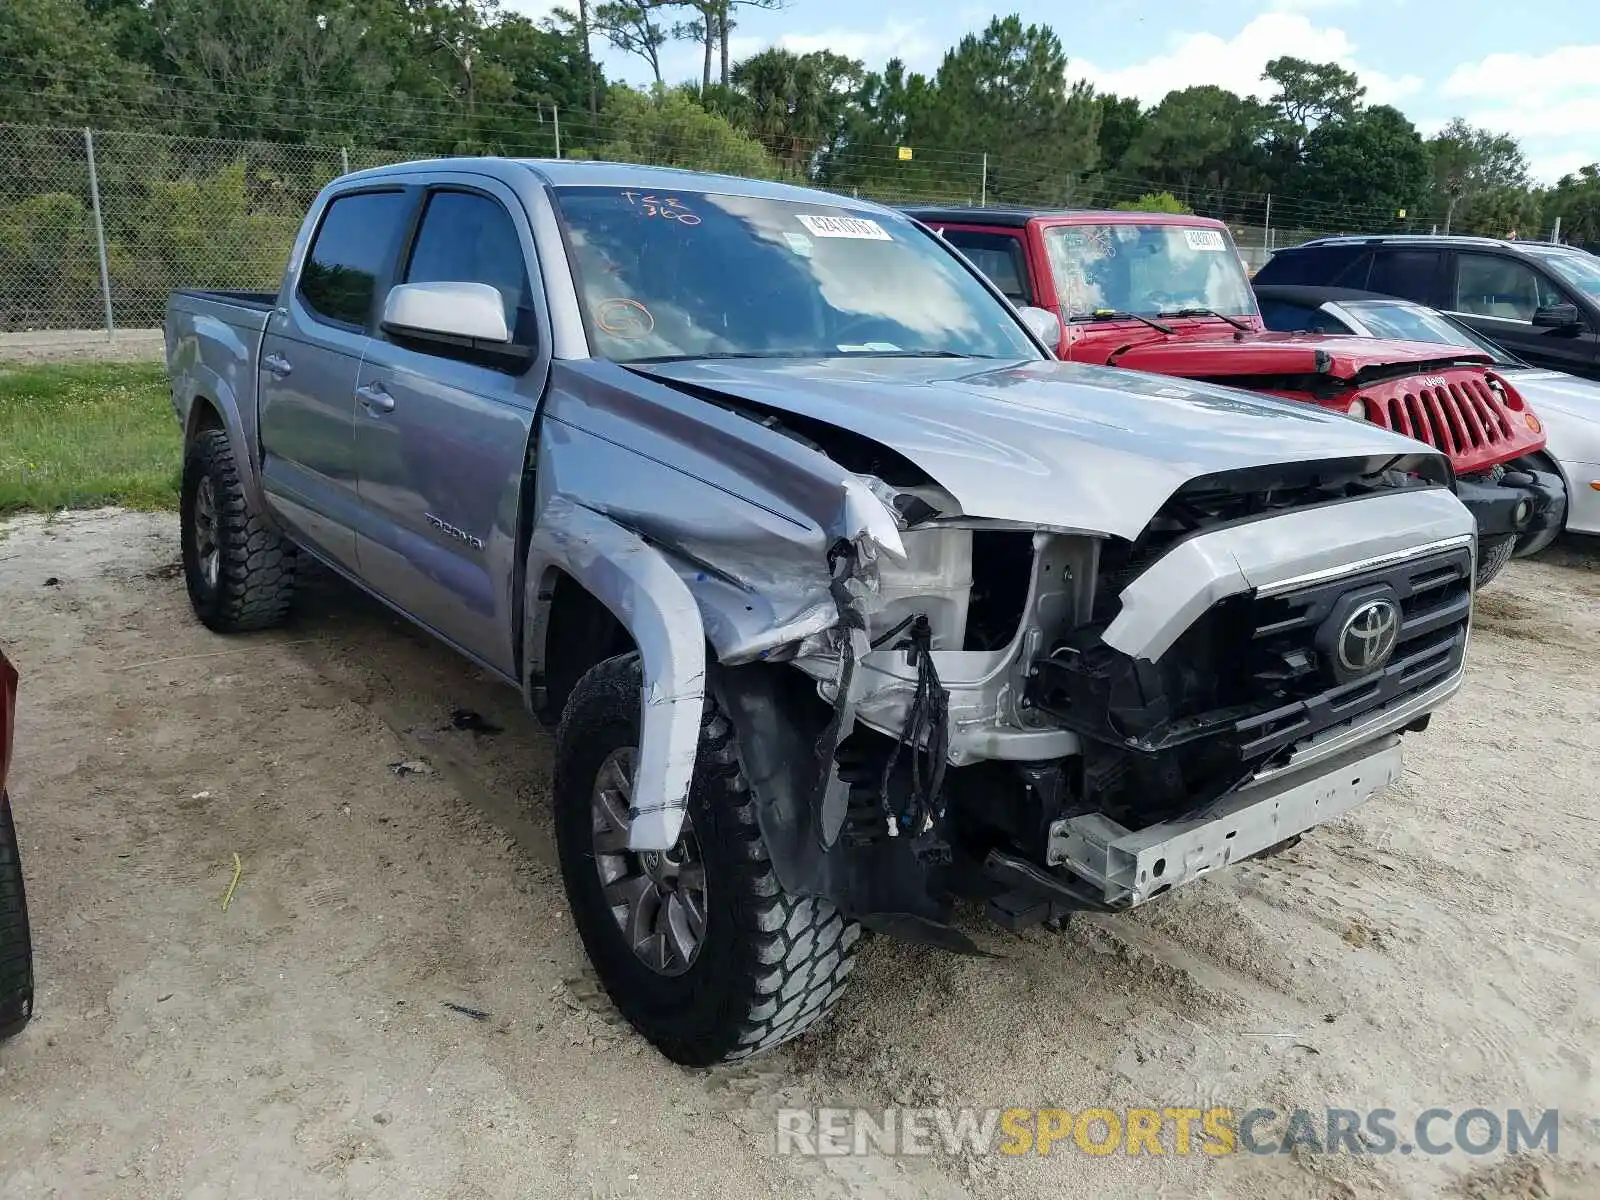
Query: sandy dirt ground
<point x="1436" y="947"/>
<point x="81" y="346"/>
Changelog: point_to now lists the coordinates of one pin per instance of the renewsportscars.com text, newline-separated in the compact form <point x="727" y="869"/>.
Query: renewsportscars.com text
<point x="1163" y="1131"/>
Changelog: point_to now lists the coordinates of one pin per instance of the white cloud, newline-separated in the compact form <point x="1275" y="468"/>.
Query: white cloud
<point x="1548" y="102"/>
<point x="1236" y="63"/>
<point x="905" y="40"/>
<point x="1541" y="77"/>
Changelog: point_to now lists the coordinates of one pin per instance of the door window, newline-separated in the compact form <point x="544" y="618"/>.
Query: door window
<point x="352" y="249"/>
<point x="1409" y="274"/>
<point x="469" y="238"/>
<point x="999" y="256"/>
<point x="1490" y="286"/>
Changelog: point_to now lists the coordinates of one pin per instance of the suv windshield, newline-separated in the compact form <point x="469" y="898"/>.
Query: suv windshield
<point x="1146" y="269"/>
<point x="1576" y="267"/>
<point x="695" y="275"/>
<point x="1409" y="323"/>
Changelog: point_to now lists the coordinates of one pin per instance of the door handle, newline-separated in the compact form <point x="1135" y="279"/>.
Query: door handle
<point x="375" y="398"/>
<point x="277" y="365"/>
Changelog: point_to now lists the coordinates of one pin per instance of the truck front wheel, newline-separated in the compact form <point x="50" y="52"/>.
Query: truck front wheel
<point x="699" y="946"/>
<point x="239" y="571"/>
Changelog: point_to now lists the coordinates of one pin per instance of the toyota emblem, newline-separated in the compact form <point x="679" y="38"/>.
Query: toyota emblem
<point x="1368" y="636"/>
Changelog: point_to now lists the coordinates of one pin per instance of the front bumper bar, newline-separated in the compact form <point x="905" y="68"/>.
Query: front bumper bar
<point x="1128" y="868"/>
<point x="1539" y="498"/>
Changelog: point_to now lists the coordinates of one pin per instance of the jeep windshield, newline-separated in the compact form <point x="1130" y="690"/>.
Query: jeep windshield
<point x="1150" y="270"/>
<point x="673" y="275"/>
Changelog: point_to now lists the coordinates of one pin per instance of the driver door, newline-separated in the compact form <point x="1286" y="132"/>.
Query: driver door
<point x="442" y="438"/>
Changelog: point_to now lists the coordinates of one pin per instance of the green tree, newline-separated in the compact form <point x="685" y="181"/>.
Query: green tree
<point x="795" y="103"/>
<point x="58" y="66"/>
<point x="1471" y="164"/>
<point x="1374" y="162"/>
<point x="1001" y="93"/>
<point x="669" y="129"/>
<point x="1161" y="202"/>
<point x="1203" y="139"/>
<point x="1310" y="93"/>
<point x="637" y="27"/>
<point x="1575" y="200"/>
<point x="1122" y="120"/>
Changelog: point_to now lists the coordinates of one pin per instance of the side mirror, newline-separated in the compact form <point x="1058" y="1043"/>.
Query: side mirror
<point x="465" y="314"/>
<point x="1557" y="316"/>
<point x="1043" y="324"/>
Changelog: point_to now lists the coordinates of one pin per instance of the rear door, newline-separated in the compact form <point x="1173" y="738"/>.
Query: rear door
<point x="1409" y="272"/>
<point x="442" y="437"/>
<point x="1497" y="294"/>
<point x="310" y="358"/>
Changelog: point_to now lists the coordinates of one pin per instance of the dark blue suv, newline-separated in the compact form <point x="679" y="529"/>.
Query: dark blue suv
<point x="1538" y="300"/>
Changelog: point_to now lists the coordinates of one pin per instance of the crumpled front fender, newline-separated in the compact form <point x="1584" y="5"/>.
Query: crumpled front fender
<point x="643" y="591"/>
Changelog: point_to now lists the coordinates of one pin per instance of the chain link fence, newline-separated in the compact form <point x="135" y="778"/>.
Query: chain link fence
<point x="97" y="227"/>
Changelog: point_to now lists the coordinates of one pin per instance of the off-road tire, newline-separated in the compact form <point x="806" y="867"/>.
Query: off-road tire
<point x="770" y="965"/>
<point x="254" y="588"/>
<point x="16" y="947"/>
<point x="1493" y="555"/>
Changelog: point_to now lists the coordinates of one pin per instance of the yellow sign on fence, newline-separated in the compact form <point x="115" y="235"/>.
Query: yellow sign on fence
<point x="905" y="153"/>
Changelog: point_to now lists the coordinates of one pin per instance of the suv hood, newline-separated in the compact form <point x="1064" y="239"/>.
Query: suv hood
<point x="1056" y="444"/>
<point x="1281" y="354"/>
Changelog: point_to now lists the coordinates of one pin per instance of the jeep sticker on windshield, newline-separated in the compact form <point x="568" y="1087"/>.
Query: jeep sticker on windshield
<point x="1204" y="239"/>
<point x="844" y="227"/>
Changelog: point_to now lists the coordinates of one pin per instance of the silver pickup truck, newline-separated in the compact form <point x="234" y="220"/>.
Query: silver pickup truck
<point x="848" y="601"/>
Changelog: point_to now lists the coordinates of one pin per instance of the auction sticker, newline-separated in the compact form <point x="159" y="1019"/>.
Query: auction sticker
<point x="1204" y="239"/>
<point x="858" y="228"/>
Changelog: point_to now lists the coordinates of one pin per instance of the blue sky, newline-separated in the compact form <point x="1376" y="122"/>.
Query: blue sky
<point x="1527" y="68"/>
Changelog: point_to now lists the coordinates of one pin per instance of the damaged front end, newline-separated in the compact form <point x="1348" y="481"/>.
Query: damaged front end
<point x="1054" y="720"/>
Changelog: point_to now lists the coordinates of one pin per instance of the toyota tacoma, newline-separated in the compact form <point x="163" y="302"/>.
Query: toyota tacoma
<point x="847" y="601"/>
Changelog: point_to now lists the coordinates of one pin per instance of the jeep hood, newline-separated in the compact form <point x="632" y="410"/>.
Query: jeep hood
<point x="1042" y="443"/>
<point x="1281" y="354"/>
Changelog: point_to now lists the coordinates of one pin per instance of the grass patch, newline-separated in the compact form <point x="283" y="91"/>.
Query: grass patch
<point x="82" y="435"/>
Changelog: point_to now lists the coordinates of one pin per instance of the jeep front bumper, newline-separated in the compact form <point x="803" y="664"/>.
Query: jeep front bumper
<point x="1520" y="502"/>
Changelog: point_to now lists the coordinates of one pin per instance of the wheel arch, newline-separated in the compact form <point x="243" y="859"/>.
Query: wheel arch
<point x="579" y="563"/>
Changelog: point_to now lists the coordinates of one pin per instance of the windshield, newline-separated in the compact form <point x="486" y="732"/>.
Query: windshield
<point x="1580" y="269"/>
<point x="1146" y="269"/>
<point x="1408" y="323"/>
<point x="693" y="275"/>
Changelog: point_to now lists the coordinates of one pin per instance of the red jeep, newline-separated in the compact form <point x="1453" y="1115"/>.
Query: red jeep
<point x="1168" y="294"/>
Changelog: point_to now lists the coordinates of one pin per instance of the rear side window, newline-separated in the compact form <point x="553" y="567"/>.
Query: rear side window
<point x="1312" y="264"/>
<point x="1409" y="274"/>
<point x="999" y="256"/>
<point x="351" y="251"/>
<point x="469" y="238"/>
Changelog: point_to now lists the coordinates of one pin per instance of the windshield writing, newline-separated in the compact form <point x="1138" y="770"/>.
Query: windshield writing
<point x="1146" y="269"/>
<point x="692" y="275"/>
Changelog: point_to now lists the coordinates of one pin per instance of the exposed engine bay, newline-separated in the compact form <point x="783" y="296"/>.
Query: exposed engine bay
<point x="977" y="708"/>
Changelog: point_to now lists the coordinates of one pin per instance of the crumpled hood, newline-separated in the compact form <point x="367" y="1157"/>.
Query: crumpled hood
<point x="1044" y="443"/>
<point x="1284" y="354"/>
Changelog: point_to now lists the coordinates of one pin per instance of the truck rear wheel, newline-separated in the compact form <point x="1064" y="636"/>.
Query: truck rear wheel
<point x="16" y="946"/>
<point x="700" y="947"/>
<point x="240" y="572"/>
<point x="1493" y="555"/>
